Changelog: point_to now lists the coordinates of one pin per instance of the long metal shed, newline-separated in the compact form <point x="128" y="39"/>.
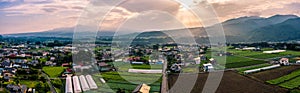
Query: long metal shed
<point x="69" y="88"/>
<point x="76" y="84"/>
<point x="84" y="84"/>
<point x="91" y="82"/>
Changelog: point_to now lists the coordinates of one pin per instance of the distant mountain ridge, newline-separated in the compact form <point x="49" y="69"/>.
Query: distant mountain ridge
<point x="287" y="30"/>
<point x="243" y="29"/>
<point x="59" y="32"/>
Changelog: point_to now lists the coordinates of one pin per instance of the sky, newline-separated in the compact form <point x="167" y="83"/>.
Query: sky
<point x="21" y="16"/>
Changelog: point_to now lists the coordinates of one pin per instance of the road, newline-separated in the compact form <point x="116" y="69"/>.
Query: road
<point x="52" y="88"/>
<point x="164" y="85"/>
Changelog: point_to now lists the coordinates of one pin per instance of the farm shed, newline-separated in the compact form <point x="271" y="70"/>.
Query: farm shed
<point x="261" y="69"/>
<point x="273" y="51"/>
<point x="69" y="88"/>
<point x="249" y="48"/>
<point x="102" y="80"/>
<point x="76" y="84"/>
<point x="144" y="71"/>
<point x="84" y="84"/>
<point x="137" y="63"/>
<point x="270" y="67"/>
<point x="91" y="82"/>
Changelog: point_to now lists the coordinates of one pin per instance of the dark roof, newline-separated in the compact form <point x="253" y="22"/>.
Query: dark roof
<point x="5" y="63"/>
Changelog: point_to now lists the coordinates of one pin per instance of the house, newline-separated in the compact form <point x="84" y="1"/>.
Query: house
<point x="298" y="62"/>
<point x="81" y="68"/>
<point x="31" y="90"/>
<point x="212" y="61"/>
<point x="65" y="65"/>
<point x="33" y="62"/>
<point x="142" y="88"/>
<point x="24" y="66"/>
<point x="52" y="58"/>
<point x="197" y="60"/>
<point x="105" y="67"/>
<point x="16" y="66"/>
<point x="14" y="88"/>
<point x="208" y="67"/>
<point x="224" y="54"/>
<point x="7" y="76"/>
<point x="203" y="57"/>
<point x="48" y="63"/>
<point x="176" y="68"/>
<point x="284" y="61"/>
<point x="6" y="63"/>
<point x="1" y="70"/>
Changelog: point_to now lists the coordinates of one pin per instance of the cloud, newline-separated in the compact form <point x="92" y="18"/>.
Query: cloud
<point x="40" y="15"/>
<point x="36" y="1"/>
<point x="8" y="1"/>
<point x="146" y="5"/>
<point x="228" y="9"/>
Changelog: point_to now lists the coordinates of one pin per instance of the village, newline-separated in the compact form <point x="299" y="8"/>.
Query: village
<point x="40" y="67"/>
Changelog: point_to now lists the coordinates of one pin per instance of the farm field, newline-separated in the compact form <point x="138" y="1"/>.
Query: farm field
<point x="274" y="73"/>
<point x="237" y="61"/>
<point x="239" y="83"/>
<point x="53" y="71"/>
<point x="289" y="81"/>
<point x="261" y="55"/>
<point x="291" y="84"/>
<point x="123" y="66"/>
<point x="285" y="78"/>
<point x="127" y="81"/>
<point x="242" y="58"/>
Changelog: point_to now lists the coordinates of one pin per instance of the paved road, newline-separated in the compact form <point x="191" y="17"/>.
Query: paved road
<point x="52" y="88"/>
<point x="164" y="85"/>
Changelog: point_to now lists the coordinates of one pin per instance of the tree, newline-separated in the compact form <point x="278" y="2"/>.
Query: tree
<point x="1" y="81"/>
<point x="57" y="83"/>
<point x="43" y="79"/>
<point x="42" y="87"/>
<point x="38" y="43"/>
<point x="1" y="37"/>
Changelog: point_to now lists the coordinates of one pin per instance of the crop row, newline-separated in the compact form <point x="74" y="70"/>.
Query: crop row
<point x="285" y="78"/>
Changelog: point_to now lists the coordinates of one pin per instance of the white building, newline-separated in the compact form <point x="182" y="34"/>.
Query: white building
<point x="69" y="88"/>
<point x="76" y="84"/>
<point x="208" y="67"/>
<point x="91" y="82"/>
<point x="273" y="51"/>
<point x="84" y="84"/>
<point x="284" y="61"/>
<point x="197" y="60"/>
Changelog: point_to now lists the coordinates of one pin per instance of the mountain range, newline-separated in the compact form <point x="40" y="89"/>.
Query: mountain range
<point x="243" y="29"/>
